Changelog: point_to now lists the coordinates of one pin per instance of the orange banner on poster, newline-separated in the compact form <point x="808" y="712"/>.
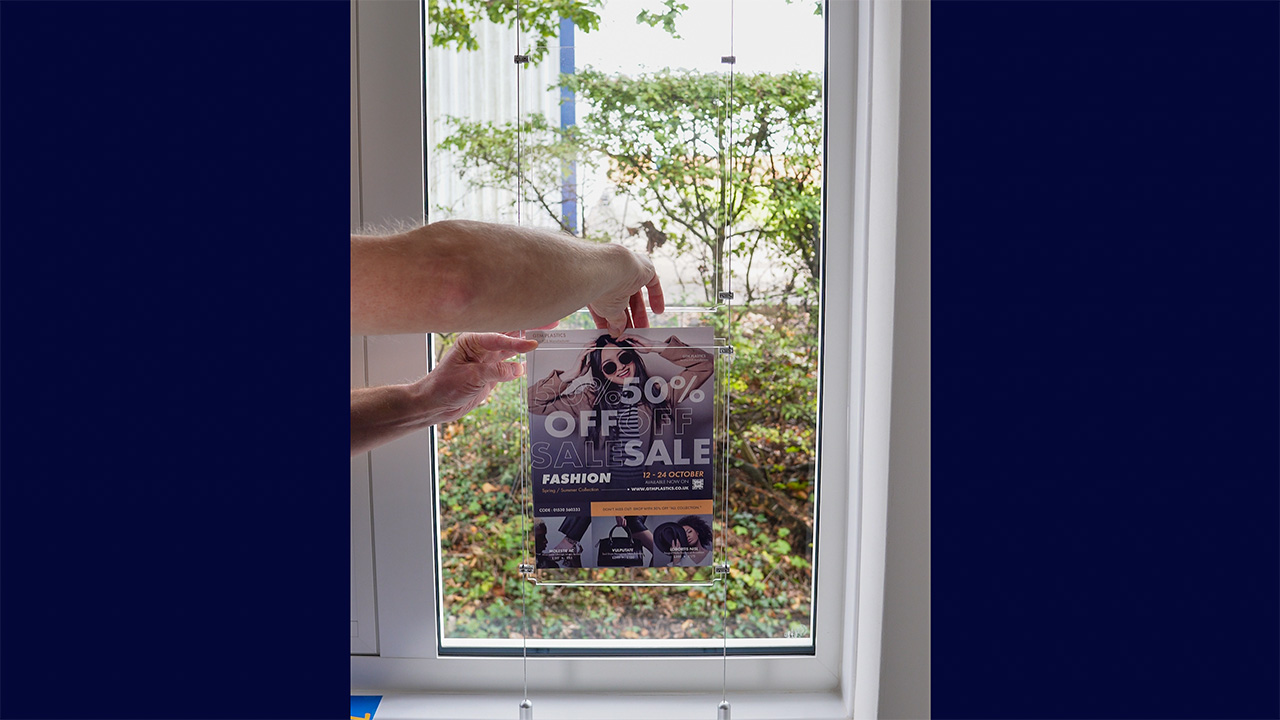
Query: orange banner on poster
<point x="657" y="507"/>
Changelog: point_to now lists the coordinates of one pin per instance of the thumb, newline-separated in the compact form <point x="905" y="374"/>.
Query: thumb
<point x="615" y="323"/>
<point x="499" y="371"/>
<point x="511" y="370"/>
<point x="476" y="344"/>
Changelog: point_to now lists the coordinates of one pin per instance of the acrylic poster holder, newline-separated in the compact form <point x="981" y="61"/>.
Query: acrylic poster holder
<point x="603" y="511"/>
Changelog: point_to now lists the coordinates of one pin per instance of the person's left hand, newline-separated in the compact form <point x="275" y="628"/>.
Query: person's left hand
<point x="469" y="371"/>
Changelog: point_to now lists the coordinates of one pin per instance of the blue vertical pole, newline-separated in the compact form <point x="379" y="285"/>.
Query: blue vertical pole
<point x="568" y="118"/>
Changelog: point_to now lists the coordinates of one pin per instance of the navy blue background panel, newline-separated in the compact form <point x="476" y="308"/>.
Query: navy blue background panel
<point x="175" y="523"/>
<point x="1105" y="360"/>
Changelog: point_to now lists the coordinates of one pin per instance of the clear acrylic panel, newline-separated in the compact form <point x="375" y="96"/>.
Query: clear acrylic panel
<point x="625" y="458"/>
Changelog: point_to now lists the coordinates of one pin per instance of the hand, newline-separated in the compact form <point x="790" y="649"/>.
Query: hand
<point x="638" y="343"/>
<point x="623" y="307"/>
<point x="469" y="372"/>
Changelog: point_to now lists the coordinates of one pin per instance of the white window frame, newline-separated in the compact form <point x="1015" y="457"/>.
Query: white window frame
<point x="841" y="679"/>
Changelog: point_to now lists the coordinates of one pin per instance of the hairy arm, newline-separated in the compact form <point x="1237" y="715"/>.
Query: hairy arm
<point x="458" y="275"/>
<point x="465" y="376"/>
<point x="382" y="414"/>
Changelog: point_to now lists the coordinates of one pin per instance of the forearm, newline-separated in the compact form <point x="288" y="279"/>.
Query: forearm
<point x="460" y="275"/>
<point x="382" y="414"/>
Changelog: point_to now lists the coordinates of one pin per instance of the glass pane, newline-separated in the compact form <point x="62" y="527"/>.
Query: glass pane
<point x="694" y="136"/>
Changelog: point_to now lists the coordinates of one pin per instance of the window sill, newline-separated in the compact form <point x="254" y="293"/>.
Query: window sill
<point x="578" y="706"/>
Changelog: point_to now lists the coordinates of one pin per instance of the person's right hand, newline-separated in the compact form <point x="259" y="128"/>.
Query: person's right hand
<point x="639" y="343"/>
<point x="610" y="311"/>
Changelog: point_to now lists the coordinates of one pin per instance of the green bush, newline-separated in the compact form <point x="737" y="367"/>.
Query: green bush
<point x="773" y="396"/>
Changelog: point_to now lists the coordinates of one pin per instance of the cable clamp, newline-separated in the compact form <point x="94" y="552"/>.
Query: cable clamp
<point x="526" y="569"/>
<point x="728" y="59"/>
<point x="722" y="569"/>
<point x="725" y="295"/>
<point x="522" y="59"/>
<point x="726" y="350"/>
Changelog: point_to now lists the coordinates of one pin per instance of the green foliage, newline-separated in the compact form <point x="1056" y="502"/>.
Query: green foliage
<point x="769" y="589"/>
<point x="451" y="21"/>
<point x="773" y="419"/>
<point x="719" y="164"/>
<point x="666" y="19"/>
<point x="491" y="158"/>
<point x="483" y="537"/>
<point x="817" y="6"/>
<point x="721" y="161"/>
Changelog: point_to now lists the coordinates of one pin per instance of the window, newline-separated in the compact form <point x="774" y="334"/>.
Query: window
<point x="647" y="137"/>
<point x="859" y="216"/>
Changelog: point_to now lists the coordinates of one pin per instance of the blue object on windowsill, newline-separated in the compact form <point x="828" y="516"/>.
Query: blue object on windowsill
<point x="364" y="706"/>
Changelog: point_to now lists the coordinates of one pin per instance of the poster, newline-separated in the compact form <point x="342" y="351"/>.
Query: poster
<point x="620" y="447"/>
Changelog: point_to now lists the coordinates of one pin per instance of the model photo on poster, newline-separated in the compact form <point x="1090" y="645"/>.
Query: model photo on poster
<point x="620" y="447"/>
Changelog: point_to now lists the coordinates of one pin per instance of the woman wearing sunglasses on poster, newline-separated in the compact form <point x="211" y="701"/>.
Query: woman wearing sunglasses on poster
<point x="618" y="375"/>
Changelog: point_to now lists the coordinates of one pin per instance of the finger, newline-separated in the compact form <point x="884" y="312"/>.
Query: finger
<point x="639" y="318"/>
<point x="478" y="344"/>
<point x="619" y="324"/>
<point x="639" y="342"/>
<point x="657" y="302"/>
<point x="498" y="372"/>
<point x="510" y="370"/>
<point x="615" y="325"/>
<point x="518" y="333"/>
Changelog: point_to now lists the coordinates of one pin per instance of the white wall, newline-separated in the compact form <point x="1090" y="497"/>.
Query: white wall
<point x="904" y="669"/>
